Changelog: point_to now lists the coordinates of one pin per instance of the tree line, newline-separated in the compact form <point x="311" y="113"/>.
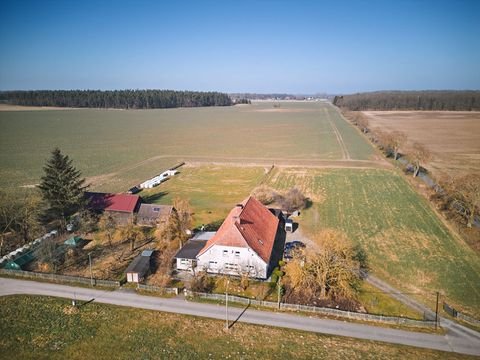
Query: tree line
<point x="461" y="191"/>
<point x="467" y="100"/>
<point x="117" y="99"/>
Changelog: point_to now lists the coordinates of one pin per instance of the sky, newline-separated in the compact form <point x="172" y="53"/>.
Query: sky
<point x="299" y="47"/>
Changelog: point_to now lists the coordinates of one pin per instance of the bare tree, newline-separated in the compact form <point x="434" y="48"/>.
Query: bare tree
<point x="8" y="217"/>
<point x="466" y="190"/>
<point x="362" y="122"/>
<point x="326" y="273"/>
<point x="27" y="217"/>
<point x="419" y="155"/>
<point x="294" y="200"/>
<point x="131" y="233"/>
<point x="264" y="194"/>
<point x="107" y="226"/>
<point x="183" y="218"/>
<point x="397" y="141"/>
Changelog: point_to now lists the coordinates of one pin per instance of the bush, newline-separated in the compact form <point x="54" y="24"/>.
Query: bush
<point x="202" y="283"/>
<point x="264" y="194"/>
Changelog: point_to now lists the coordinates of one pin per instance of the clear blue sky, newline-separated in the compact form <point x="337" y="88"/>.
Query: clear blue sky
<point x="239" y="46"/>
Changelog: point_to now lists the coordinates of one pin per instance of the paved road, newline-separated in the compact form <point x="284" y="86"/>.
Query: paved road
<point x="465" y="345"/>
<point x="455" y="331"/>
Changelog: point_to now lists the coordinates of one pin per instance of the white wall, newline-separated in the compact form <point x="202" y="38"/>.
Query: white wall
<point x="185" y="264"/>
<point x="232" y="260"/>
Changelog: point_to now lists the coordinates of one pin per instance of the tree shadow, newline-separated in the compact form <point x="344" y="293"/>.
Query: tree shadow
<point x="154" y="197"/>
<point x="308" y="203"/>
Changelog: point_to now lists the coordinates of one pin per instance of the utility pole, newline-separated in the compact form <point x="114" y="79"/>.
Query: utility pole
<point x="279" y="286"/>
<point x="90" y="262"/>
<point x="226" y="305"/>
<point x="436" y="313"/>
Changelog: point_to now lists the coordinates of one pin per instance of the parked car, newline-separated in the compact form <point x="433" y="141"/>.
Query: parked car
<point x="290" y="248"/>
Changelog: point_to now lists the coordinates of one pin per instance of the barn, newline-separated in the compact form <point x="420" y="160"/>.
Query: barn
<point x="120" y="206"/>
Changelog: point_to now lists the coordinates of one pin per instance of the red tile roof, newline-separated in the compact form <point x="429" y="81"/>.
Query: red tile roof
<point x="249" y="225"/>
<point x="112" y="202"/>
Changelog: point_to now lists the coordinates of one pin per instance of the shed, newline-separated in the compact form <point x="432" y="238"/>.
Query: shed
<point x="74" y="241"/>
<point x="19" y="262"/>
<point x="139" y="267"/>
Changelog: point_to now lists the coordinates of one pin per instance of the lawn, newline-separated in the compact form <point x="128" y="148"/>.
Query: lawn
<point x="211" y="190"/>
<point x="48" y="328"/>
<point x="112" y="146"/>
<point x="406" y="242"/>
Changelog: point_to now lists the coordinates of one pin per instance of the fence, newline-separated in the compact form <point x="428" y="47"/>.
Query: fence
<point x="455" y="313"/>
<point x="60" y="278"/>
<point x="315" y="309"/>
<point x="158" y="289"/>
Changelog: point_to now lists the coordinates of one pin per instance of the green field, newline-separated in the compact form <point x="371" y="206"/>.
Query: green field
<point x="130" y="145"/>
<point x="47" y="328"/>
<point x="405" y="240"/>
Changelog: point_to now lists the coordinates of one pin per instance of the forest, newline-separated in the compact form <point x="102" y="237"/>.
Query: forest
<point x="468" y="100"/>
<point x="117" y="99"/>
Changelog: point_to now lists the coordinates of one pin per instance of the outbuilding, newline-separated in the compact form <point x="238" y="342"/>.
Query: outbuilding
<point x="139" y="267"/>
<point x="186" y="257"/>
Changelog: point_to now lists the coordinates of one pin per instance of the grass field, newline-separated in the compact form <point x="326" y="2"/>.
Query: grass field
<point x="108" y="144"/>
<point x="405" y="240"/>
<point x="48" y="328"/>
<point x="453" y="136"/>
<point x="211" y="190"/>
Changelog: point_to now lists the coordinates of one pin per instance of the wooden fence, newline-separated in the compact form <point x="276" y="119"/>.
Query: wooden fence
<point x="456" y="314"/>
<point x="60" y="278"/>
<point x="158" y="289"/>
<point x="315" y="309"/>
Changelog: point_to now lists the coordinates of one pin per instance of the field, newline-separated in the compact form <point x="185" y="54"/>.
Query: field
<point x="108" y="145"/>
<point x="406" y="242"/>
<point x="453" y="136"/>
<point x="48" y="328"/>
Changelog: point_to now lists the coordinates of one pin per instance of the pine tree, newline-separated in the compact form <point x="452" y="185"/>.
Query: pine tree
<point x="62" y="187"/>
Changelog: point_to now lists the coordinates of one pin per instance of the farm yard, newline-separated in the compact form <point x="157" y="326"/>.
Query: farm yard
<point x="453" y="136"/>
<point x="115" y="146"/>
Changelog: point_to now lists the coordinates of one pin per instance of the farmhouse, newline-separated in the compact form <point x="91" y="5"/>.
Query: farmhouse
<point x="139" y="267"/>
<point x="120" y="206"/>
<point x="154" y="215"/>
<point x="250" y="241"/>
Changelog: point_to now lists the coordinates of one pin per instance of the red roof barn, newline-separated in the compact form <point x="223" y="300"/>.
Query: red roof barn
<point x="123" y="203"/>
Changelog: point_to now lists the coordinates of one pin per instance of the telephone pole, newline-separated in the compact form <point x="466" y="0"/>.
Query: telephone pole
<point x="436" y="313"/>
<point x="90" y="262"/>
<point x="226" y="305"/>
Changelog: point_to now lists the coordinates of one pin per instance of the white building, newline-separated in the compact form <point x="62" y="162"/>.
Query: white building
<point x="250" y="241"/>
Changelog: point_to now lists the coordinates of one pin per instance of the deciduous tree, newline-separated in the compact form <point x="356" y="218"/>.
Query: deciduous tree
<point x="466" y="190"/>
<point x="329" y="272"/>
<point x="419" y="155"/>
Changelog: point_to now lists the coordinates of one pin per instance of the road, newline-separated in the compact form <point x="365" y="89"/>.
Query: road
<point x="457" y="343"/>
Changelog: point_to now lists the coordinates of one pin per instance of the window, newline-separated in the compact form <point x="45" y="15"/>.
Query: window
<point x="156" y="209"/>
<point x="225" y="252"/>
<point x="230" y="266"/>
<point x="237" y="253"/>
<point x="184" y="261"/>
